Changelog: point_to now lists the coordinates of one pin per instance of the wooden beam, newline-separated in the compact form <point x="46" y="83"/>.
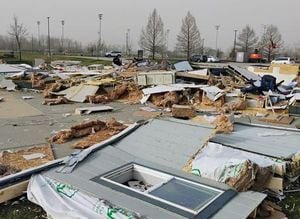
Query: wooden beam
<point x="275" y="184"/>
<point x="253" y="213"/>
<point x="13" y="191"/>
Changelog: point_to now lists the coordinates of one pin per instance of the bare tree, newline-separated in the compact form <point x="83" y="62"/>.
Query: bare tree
<point x="271" y="41"/>
<point x="18" y="31"/>
<point x="152" y="37"/>
<point x="188" y="40"/>
<point x="247" y="39"/>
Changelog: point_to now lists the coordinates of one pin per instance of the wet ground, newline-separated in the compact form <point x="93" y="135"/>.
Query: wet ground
<point x="26" y="123"/>
<point x="30" y="123"/>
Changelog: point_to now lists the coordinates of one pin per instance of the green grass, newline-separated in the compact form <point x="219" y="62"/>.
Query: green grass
<point x="28" y="58"/>
<point x="21" y="208"/>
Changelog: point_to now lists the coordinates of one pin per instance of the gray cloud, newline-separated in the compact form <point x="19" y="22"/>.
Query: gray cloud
<point x="82" y="21"/>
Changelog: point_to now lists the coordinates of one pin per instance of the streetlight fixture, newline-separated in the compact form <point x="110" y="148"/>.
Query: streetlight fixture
<point x="62" y="34"/>
<point x="217" y="35"/>
<point x="99" y="43"/>
<point x="39" y="35"/>
<point x="49" y="47"/>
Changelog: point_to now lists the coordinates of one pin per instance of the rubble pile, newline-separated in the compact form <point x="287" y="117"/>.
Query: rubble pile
<point x="126" y="90"/>
<point x="53" y="87"/>
<point x="182" y="111"/>
<point x="213" y="94"/>
<point x="77" y="131"/>
<point x="27" y="158"/>
<point x="233" y="106"/>
<point x="6" y="170"/>
<point x="95" y="131"/>
<point x="55" y="101"/>
<point x="112" y="127"/>
<point x="223" y="124"/>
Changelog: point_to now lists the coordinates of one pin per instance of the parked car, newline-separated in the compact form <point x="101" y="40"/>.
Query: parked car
<point x="212" y="59"/>
<point x="198" y="58"/>
<point x="113" y="54"/>
<point x="283" y="60"/>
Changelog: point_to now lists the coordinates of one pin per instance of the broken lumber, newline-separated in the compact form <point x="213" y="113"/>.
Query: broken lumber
<point x="182" y="111"/>
<point x="13" y="191"/>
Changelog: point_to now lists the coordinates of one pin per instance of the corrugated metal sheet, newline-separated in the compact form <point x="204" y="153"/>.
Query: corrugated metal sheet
<point x="266" y="141"/>
<point x="167" y="142"/>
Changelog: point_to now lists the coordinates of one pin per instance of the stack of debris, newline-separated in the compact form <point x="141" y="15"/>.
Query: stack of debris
<point x="14" y="161"/>
<point x="95" y="131"/>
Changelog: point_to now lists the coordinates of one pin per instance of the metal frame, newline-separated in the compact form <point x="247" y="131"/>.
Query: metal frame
<point x="106" y="180"/>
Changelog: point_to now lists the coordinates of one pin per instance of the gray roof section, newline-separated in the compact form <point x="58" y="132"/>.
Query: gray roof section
<point x="277" y="143"/>
<point x="168" y="142"/>
<point x="165" y="145"/>
<point x="110" y="158"/>
<point x="240" y="206"/>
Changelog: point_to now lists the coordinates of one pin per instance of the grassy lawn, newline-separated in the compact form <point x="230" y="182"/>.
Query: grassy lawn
<point x="28" y="58"/>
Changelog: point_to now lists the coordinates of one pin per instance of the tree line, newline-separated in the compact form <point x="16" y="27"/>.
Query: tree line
<point x="153" y="40"/>
<point x="189" y="39"/>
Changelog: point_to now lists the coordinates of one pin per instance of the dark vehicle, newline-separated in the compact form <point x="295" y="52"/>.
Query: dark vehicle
<point x="198" y="58"/>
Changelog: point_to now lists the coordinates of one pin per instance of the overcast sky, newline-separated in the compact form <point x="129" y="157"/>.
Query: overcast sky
<point x="82" y="23"/>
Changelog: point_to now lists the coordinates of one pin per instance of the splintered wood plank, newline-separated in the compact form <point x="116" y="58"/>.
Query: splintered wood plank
<point x="13" y="191"/>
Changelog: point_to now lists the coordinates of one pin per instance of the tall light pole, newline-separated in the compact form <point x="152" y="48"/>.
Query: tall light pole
<point x="202" y="46"/>
<point x="49" y="47"/>
<point x="32" y="43"/>
<point x="99" y="43"/>
<point x="39" y="34"/>
<point x="62" y="34"/>
<point x="234" y="43"/>
<point x="217" y="35"/>
<point x="127" y="41"/>
<point x="167" y="39"/>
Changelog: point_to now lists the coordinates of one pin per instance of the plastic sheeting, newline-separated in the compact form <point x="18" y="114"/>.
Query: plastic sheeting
<point x="61" y="200"/>
<point x="220" y="163"/>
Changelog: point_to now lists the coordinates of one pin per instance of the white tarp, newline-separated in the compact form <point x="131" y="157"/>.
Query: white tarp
<point x="220" y="163"/>
<point x="61" y="200"/>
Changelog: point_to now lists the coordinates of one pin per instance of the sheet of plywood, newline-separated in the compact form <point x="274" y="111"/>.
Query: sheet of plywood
<point x="275" y="184"/>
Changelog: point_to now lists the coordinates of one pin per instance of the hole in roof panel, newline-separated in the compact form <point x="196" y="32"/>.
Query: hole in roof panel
<point x="186" y="194"/>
